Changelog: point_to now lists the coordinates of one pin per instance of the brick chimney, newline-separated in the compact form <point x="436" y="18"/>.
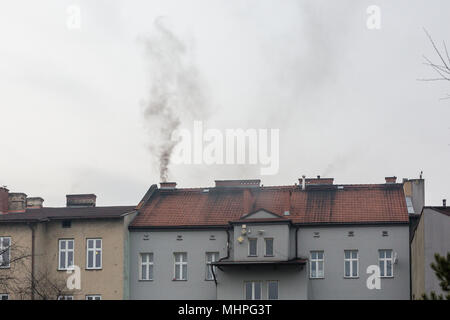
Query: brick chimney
<point x="4" y="195"/>
<point x="17" y="202"/>
<point x="81" y="200"/>
<point x="35" y="203"/>
<point x="249" y="201"/>
<point x="168" y="185"/>
<point x="238" y="183"/>
<point x="318" y="180"/>
<point x="391" y="179"/>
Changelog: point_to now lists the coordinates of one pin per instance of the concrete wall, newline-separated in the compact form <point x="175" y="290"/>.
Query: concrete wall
<point x="367" y="240"/>
<point x="163" y="244"/>
<point x="292" y="281"/>
<point x="418" y="261"/>
<point x="437" y="240"/>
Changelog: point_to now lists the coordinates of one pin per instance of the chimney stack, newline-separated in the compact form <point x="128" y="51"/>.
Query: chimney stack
<point x="251" y="183"/>
<point x="316" y="181"/>
<point x="35" y="203"/>
<point x="4" y="195"/>
<point x="81" y="200"/>
<point x="168" y="185"/>
<point x="303" y="182"/>
<point x="444" y="203"/>
<point x="391" y="179"/>
<point x="17" y="202"/>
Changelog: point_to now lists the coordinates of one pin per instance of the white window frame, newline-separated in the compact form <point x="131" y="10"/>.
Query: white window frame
<point x="208" y="272"/>
<point x="385" y="260"/>
<point x="94" y="250"/>
<point x="350" y="260"/>
<point x="278" y="289"/>
<point x="93" y="297"/>
<point x="265" y="247"/>
<point x="253" y="289"/>
<point x="149" y="264"/>
<point x="65" y="297"/>
<point x="66" y="250"/>
<point x="2" y="295"/>
<point x="316" y="260"/>
<point x="256" y="247"/>
<point x="5" y="250"/>
<point x="181" y="263"/>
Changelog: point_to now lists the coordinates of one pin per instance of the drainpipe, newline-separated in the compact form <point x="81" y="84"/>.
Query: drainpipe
<point x="32" y="259"/>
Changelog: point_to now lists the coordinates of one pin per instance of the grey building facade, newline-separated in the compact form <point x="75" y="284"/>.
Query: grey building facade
<point x="239" y="240"/>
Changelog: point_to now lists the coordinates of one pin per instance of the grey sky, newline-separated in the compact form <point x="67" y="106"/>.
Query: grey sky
<point x="345" y="98"/>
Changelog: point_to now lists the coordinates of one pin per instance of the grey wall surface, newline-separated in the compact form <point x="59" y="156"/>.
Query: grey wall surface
<point x="292" y="281"/>
<point x="437" y="240"/>
<point x="163" y="244"/>
<point x="367" y="240"/>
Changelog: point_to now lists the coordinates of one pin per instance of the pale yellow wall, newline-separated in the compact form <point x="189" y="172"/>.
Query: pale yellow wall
<point x="418" y="260"/>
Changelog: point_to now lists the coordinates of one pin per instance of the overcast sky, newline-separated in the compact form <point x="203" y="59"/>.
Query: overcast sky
<point x="345" y="98"/>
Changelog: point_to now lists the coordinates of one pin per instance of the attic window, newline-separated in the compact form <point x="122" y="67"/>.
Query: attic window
<point x="66" y="223"/>
<point x="385" y="233"/>
<point x="179" y="237"/>
<point x="316" y="234"/>
<point x="351" y="233"/>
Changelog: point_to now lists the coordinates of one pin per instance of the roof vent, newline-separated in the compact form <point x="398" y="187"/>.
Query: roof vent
<point x="287" y="213"/>
<point x="391" y="179"/>
<point x="168" y="185"/>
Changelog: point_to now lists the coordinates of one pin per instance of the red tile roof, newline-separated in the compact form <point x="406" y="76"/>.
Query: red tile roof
<point x="317" y="204"/>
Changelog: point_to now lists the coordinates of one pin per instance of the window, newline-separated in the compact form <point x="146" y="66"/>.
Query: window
<point x="65" y="297"/>
<point x="5" y="252"/>
<point x="252" y="247"/>
<point x="66" y="223"/>
<point x="94" y="254"/>
<point x="272" y="290"/>
<point x="351" y="263"/>
<point x="316" y="264"/>
<point x="65" y="254"/>
<point x="211" y="257"/>
<point x="385" y="263"/>
<point x="4" y="296"/>
<point x="180" y="266"/>
<point x="269" y="247"/>
<point x="252" y="290"/>
<point x="146" y="270"/>
<point x="93" y="297"/>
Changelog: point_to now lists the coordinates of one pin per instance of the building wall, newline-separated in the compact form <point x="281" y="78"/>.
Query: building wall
<point x="367" y="240"/>
<point x="163" y="244"/>
<point x="418" y="261"/>
<point x="437" y="240"/>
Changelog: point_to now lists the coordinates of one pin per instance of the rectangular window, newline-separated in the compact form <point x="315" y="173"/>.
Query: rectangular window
<point x="272" y="290"/>
<point x="385" y="263"/>
<point x="252" y="290"/>
<point x="211" y="257"/>
<point x="4" y="296"/>
<point x="180" y="266"/>
<point x="146" y="269"/>
<point x="351" y="263"/>
<point x="316" y="264"/>
<point x="93" y="297"/>
<point x="65" y="256"/>
<point x="269" y="247"/>
<point x="94" y="254"/>
<point x="65" y="297"/>
<point x="5" y="252"/>
<point x="252" y="247"/>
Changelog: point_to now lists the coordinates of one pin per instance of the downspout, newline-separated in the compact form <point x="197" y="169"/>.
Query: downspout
<point x="223" y="258"/>
<point x="296" y="241"/>
<point x="32" y="260"/>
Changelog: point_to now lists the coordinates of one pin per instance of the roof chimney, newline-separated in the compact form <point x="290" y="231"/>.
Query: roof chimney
<point x="81" y="200"/>
<point x="168" y="185"/>
<point x="17" y="202"/>
<point x="444" y="203"/>
<point x="303" y="182"/>
<point x="4" y="195"/>
<point x="391" y="179"/>
<point x="35" y="203"/>
<point x="238" y="183"/>
<point x="307" y="181"/>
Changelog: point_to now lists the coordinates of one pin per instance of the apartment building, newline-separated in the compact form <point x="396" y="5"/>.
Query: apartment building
<point x="242" y="240"/>
<point x="40" y="248"/>
<point x="430" y="236"/>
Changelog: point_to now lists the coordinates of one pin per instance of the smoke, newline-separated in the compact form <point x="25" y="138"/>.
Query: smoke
<point x="176" y="91"/>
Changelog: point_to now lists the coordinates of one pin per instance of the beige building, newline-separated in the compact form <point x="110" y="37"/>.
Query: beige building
<point x="75" y="252"/>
